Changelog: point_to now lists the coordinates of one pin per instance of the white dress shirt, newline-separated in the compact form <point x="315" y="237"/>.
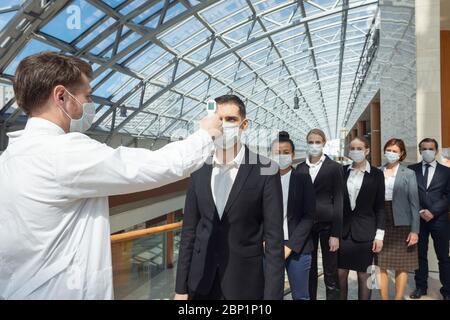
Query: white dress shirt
<point x="431" y="170"/>
<point x="285" y="180"/>
<point x="54" y="217"/>
<point x="354" y="183"/>
<point x="222" y="179"/>
<point x="315" y="167"/>
<point x="389" y="184"/>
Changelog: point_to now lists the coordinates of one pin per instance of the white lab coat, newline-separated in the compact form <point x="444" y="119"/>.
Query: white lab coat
<point x="54" y="215"/>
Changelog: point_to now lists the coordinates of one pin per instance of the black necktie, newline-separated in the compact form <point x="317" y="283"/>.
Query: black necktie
<point x="425" y="176"/>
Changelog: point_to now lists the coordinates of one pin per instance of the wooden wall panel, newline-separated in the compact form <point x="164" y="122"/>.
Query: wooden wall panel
<point x="445" y="87"/>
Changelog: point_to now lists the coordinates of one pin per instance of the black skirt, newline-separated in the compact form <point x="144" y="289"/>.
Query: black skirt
<point x="355" y="255"/>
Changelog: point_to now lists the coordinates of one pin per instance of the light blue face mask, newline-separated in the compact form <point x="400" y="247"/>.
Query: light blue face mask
<point x="391" y="157"/>
<point x="86" y="119"/>
<point x="315" y="149"/>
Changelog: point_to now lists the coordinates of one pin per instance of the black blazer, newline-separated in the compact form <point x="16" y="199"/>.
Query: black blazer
<point x="329" y="192"/>
<point x="232" y="246"/>
<point x="368" y="215"/>
<point x="437" y="197"/>
<point x="300" y="212"/>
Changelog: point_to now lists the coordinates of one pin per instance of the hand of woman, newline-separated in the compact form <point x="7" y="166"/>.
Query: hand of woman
<point x="412" y="239"/>
<point x="180" y="296"/>
<point x="377" y="245"/>
<point x="333" y="242"/>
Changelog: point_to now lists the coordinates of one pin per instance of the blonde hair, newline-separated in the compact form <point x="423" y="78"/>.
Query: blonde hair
<point x="318" y="132"/>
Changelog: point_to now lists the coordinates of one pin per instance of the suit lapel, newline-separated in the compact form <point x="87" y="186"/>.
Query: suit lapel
<point x="244" y="170"/>
<point x="398" y="179"/>
<point x="435" y="175"/>
<point x="419" y="173"/>
<point x="366" y="180"/>
<point x="291" y="194"/>
<point x="321" y="170"/>
<point x="205" y="187"/>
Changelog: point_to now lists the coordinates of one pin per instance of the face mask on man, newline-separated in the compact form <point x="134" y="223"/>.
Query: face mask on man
<point x="357" y="155"/>
<point x="315" y="149"/>
<point x="86" y="119"/>
<point x="391" y="157"/>
<point x="283" y="160"/>
<point x="229" y="137"/>
<point x="428" y="155"/>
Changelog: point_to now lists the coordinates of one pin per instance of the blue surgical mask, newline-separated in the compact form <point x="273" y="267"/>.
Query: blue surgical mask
<point x="391" y="157"/>
<point x="283" y="160"/>
<point x="428" y="155"/>
<point x="229" y="137"/>
<point x="315" y="149"/>
<point x="86" y="119"/>
<point x="357" y="155"/>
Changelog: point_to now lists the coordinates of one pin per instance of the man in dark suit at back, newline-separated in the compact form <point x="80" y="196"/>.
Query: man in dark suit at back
<point x="433" y="180"/>
<point x="233" y="205"/>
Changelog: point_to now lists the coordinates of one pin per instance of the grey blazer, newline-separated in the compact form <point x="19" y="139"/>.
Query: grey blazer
<point x="405" y="199"/>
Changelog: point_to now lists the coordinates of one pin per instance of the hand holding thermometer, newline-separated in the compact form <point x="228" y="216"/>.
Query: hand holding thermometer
<point x="211" y="107"/>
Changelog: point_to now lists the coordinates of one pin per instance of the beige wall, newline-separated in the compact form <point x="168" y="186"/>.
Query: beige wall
<point x="428" y="69"/>
<point x="445" y="15"/>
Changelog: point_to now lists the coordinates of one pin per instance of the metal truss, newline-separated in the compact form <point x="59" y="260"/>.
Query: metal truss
<point x="266" y="54"/>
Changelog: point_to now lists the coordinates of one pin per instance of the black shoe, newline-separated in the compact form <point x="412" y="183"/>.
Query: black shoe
<point x="417" y="294"/>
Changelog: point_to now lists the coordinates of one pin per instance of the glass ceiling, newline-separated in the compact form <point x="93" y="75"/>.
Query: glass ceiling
<point x="157" y="62"/>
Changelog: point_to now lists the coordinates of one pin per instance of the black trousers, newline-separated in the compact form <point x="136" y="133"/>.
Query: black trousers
<point x="214" y="294"/>
<point x="321" y="231"/>
<point x="439" y="231"/>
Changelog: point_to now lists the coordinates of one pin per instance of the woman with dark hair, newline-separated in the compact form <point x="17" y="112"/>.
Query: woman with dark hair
<point x="328" y="181"/>
<point x="363" y="227"/>
<point x="402" y="220"/>
<point x="298" y="209"/>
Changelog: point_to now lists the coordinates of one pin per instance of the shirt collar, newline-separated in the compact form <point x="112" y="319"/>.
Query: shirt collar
<point x="433" y="164"/>
<point x="366" y="169"/>
<point x="395" y="169"/>
<point x="36" y="125"/>
<point x="236" y="162"/>
<point x="322" y="159"/>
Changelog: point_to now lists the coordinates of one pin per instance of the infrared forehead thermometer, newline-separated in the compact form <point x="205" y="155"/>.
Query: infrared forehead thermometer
<point x="211" y="107"/>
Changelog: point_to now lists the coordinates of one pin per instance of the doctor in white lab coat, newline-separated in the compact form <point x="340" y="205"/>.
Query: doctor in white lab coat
<point x="54" y="184"/>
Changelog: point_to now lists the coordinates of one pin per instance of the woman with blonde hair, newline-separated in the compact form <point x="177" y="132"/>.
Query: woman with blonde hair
<point x="328" y="181"/>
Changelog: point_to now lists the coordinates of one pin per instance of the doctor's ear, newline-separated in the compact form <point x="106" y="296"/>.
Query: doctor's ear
<point x="58" y="93"/>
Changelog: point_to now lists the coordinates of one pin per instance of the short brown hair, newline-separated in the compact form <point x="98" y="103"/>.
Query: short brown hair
<point x="318" y="132"/>
<point x="38" y="74"/>
<point x="399" y="143"/>
<point x="231" y="98"/>
<point x="363" y="140"/>
<point x="429" y="140"/>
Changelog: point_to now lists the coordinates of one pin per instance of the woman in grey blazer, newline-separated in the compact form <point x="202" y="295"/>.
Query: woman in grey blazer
<point x="402" y="220"/>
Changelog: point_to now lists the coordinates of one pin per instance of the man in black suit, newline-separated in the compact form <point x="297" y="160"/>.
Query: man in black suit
<point x="232" y="206"/>
<point x="433" y="180"/>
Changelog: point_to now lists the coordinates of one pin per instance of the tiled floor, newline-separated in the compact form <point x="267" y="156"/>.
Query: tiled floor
<point x="161" y="286"/>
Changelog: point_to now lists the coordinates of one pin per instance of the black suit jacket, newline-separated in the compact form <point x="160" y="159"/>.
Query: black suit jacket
<point x="300" y="212"/>
<point x="232" y="246"/>
<point x="435" y="198"/>
<point x="329" y="192"/>
<point x="368" y="215"/>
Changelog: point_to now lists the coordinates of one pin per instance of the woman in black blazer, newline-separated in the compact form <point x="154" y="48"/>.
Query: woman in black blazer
<point x="298" y="208"/>
<point x="363" y="227"/>
<point x="328" y="181"/>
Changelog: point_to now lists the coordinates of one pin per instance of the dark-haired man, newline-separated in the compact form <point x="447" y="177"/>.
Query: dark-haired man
<point x="433" y="180"/>
<point x="55" y="182"/>
<point x="232" y="206"/>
